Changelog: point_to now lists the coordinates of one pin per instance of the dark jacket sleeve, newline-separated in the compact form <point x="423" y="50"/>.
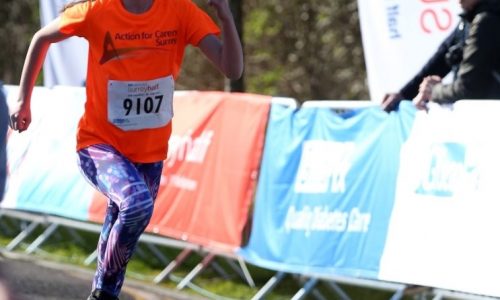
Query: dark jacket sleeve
<point x="436" y="65"/>
<point x="475" y="71"/>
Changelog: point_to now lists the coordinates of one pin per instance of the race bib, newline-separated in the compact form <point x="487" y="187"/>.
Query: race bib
<point x="135" y="105"/>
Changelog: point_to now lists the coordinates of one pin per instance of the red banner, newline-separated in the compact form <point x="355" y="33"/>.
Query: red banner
<point x="210" y="174"/>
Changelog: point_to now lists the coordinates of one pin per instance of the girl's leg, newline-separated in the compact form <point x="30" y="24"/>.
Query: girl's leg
<point x="109" y="221"/>
<point x="151" y="173"/>
<point x="130" y="189"/>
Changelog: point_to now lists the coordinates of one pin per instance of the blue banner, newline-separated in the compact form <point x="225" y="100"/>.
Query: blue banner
<point x="326" y="190"/>
<point x="43" y="171"/>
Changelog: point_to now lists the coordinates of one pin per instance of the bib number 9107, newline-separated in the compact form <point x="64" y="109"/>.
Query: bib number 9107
<point x="136" y="105"/>
<point x="142" y="106"/>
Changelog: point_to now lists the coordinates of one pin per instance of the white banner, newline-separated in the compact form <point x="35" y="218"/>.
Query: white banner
<point x="399" y="36"/>
<point x="444" y="226"/>
<point x="66" y="62"/>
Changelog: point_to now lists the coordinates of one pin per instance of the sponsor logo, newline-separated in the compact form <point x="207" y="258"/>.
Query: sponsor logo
<point x="449" y="171"/>
<point x="161" y="39"/>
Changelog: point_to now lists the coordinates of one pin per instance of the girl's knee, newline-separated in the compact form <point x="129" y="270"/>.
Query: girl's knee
<point x="148" y="211"/>
<point x="138" y="212"/>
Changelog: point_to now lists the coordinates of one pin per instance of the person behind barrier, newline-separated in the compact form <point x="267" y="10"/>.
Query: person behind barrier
<point x="136" y="49"/>
<point x="447" y="58"/>
<point x="4" y="121"/>
<point x="478" y="74"/>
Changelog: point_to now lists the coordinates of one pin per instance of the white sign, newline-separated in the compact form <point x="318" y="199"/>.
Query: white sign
<point x="66" y="62"/>
<point x="444" y="226"/>
<point x="399" y="36"/>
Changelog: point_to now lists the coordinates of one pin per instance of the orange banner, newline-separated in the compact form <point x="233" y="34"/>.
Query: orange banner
<point x="211" y="170"/>
<point x="210" y="174"/>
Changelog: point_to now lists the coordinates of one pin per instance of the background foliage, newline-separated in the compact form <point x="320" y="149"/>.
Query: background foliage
<point x="19" y="20"/>
<point x="305" y="49"/>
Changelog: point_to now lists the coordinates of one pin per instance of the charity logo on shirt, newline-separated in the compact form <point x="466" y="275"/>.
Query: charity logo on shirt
<point x="161" y="40"/>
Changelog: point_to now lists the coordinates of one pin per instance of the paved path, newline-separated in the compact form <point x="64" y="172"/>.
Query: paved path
<point x="29" y="279"/>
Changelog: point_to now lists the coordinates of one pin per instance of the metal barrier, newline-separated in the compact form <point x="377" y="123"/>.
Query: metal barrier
<point x="52" y="223"/>
<point x="308" y="282"/>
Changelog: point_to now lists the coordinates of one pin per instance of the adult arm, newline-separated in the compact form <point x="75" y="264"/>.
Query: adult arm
<point x="436" y="65"/>
<point x="20" y="118"/>
<point x="225" y="54"/>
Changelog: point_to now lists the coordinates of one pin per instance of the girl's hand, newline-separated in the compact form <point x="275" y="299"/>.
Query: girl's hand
<point x="20" y="118"/>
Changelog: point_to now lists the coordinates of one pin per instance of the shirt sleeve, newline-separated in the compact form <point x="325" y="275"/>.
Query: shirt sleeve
<point x="475" y="71"/>
<point x="198" y="24"/>
<point x="74" y="19"/>
<point x="436" y="65"/>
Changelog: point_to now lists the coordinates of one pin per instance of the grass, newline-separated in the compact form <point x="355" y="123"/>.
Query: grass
<point x="65" y="248"/>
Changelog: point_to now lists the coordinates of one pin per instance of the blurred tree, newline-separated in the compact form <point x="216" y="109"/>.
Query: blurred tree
<point x="306" y="49"/>
<point x="19" y="20"/>
<point x="197" y="73"/>
<point x="238" y="85"/>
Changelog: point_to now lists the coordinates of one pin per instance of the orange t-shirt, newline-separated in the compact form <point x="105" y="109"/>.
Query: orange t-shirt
<point x="133" y="62"/>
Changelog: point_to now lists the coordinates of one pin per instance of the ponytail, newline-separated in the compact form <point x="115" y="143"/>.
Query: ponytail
<point x="73" y="3"/>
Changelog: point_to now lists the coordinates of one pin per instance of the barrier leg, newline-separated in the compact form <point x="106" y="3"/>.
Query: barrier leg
<point x="173" y="265"/>
<point x="438" y="296"/>
<point x="199" y="267"/>
<point x="41" y="238"/>
<point x="90" y="258"/>
<point x="219" y="270"/>
<point x="21" y="236"/>
<point x="338" y="290"/>
<point x="76" y="236"/>
<point x="242" y="270"/>
<point x="140" y="253"/>
<point x="306" y="289"/>
<point x="270" y="284"/>
<point x="4" y="226"/>
<point x="5" y="229"/>
<point x="417" y="292"/>
<point x="318" y="295"/>
<point x="399" y="294"/>
<point x="246" y="272"/>
<point x="162" y="258"/>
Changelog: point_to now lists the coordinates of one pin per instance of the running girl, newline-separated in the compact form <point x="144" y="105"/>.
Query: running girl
<point x="135" y="53"/>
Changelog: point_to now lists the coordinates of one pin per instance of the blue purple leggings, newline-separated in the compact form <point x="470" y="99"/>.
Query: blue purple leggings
<point x="131" y="189"/>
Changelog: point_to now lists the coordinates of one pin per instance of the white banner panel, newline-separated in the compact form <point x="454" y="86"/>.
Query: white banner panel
<point x="66" y="62"/>
<point x="399" y="36"/>
<point x="445" y="223"/>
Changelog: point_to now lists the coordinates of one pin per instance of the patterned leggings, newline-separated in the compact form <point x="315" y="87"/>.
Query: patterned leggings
<point x="131" y="189"/>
